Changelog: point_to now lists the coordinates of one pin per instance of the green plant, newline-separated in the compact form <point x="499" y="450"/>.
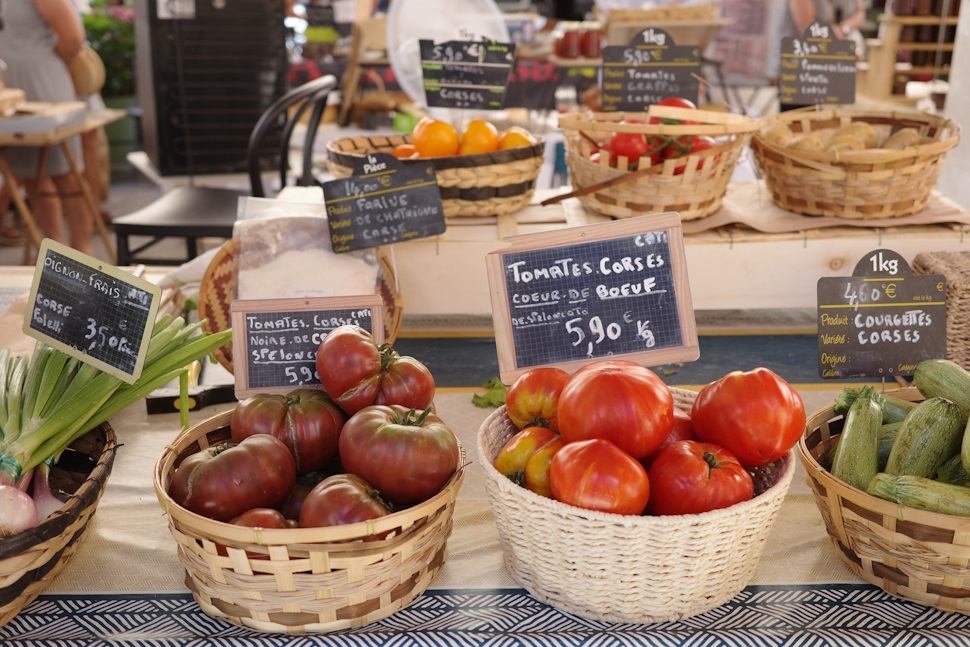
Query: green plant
<point x="110" y="30"/>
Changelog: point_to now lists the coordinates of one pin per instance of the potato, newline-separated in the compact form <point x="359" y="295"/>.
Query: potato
<point x="902" y="138"/>
<point x="844" y="143"/>
<point x="778" y="134"/>
<point x="860" y="130"/>
<point x="809" y="142"/>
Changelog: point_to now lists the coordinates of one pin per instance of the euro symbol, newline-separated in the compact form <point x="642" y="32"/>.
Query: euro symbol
<point x="891" y="290"/>
<point x="939" y="286"/>
<point x="386" y="180"/>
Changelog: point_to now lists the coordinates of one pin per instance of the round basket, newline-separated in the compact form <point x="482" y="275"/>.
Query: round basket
<point x="916" y="555"/>
<point x="30" y="560"/>
<point x="625" y="568"/>
<point x="693" y="185"/>
<point x="303" y="580"/>
<point x="484" y="184"/>
<point x="218" y="290"/>
<point x="858" y="184"/>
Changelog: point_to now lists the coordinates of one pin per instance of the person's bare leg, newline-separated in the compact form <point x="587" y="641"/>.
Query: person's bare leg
<point x="46" y="207"/>
<point x="80" y="223"/>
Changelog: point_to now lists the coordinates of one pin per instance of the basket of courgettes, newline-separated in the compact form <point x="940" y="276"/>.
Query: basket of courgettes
<point x="889" y="472"/>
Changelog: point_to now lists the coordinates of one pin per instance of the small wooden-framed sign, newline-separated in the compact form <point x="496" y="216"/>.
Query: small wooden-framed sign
<point x="651" y="68"/>
<point x="573" y="296"/>
<point x="91" y="310"/>
<point x="817" y="68"/>
<point x="385" y="201"/>
<point x="275" y="341"/>
<point x="882" y="321"/>
<point x="470" y="74"/>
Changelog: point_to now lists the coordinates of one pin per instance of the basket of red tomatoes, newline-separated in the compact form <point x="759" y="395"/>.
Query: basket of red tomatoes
<point x="674" y="157"/>
<point x="322" y="508"/>
<point x="620" y="499"/>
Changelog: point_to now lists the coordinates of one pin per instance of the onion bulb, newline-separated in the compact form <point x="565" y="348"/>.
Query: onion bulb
<point x="17" y="511"/>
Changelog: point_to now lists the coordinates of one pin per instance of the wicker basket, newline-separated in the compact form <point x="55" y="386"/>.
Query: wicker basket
<point x="218" y="290"/>
<point x="626" y="568"/>
<point x="955" y="266"/>
<point x="30" y="560"/>
<point x="695" y="192"/>
<point x="859" y="184"/>
<point x="304" y="580"/>
<point x="911" y="554"/>
<point x="484" y="184"/>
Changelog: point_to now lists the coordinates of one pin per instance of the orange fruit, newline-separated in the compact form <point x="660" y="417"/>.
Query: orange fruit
<point x="480" y="136"/>
<point x="515" y="136"/>
<point x="435" y="138"/>
<point x="405" y="151"/>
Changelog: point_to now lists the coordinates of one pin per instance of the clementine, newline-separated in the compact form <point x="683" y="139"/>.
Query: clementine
<point x="435" y="138"/>
<point x="480" y="136"/>
<point x="515" y="136"/>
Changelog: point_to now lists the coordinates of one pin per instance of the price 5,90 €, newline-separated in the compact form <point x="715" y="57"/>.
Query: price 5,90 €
<point x="598" y="332"/>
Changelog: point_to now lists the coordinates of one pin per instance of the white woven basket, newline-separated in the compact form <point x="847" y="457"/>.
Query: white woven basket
<point x="624" y="568"/>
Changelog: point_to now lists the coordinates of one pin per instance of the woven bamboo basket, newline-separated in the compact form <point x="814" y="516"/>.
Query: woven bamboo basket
<point x="955" y="266"/>
<point x="303" y="580"/>
<point x="30" y="560"/>
<point x="626" y="568"/>
<point x="218" y="291"/>
<point x="694" y="192"/>
<point x="911" y="554"/>
<point x="858" y="184"/>
<point x="484" y="184"/>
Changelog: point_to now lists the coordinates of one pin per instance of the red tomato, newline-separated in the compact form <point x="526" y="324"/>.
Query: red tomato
<point x="680" y="431"/>
<point x="687" y="145"/>
<point x="537" y="469"/>
<point x="674" y="102"/>
<point x="533" y="398"/>
<point x="407" y="456"/>
<point x="755" y="415"/>
<point x="620" y="401"/>
<point x="514" y="456"/>
<point x="224" y="481"/>
<point x="597" y="475"/>
<point x="306" y="420"/>
<point x="632" y="146"/>
<point x="339" y="500"/>
<point x="261" y="518"/>
<point x="357" y="373"/>
<point x="291" y="506"/>
<point x="689" y="477"/>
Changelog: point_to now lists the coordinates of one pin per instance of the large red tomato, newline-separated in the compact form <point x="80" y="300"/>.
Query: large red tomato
<point x="533" y="398"/>
<point x="306" y="420"/>
<point x="755" y="415"/>
<point x="680" y="431"/>
<point x="407" y="455"/>
<point x="357" y="373"/>
<point x="689" y="477"/>
<point x="620" y="401"/>
<point x="341" y="499"/>
<point x="517" y="451"/>
<point x="597" y="475"/>
<point x="224" y="481"/>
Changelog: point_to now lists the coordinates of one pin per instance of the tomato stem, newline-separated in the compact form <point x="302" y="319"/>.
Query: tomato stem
<point x="387" y="355"/>
<point x="711" y="459"/>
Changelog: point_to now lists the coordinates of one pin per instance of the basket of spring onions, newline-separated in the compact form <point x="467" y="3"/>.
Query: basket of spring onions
<point x="57" y="448"/>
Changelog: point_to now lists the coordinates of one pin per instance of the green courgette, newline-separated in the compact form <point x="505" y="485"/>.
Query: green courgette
<point x="893" y="409"/>
<point x="930" y="434"/>
<point x="856" y="459"/>
<point x="886" y="438"/>
<point x="952" y="471"/>
<point x="922" y="493"/>
<point x="941" y="378"/>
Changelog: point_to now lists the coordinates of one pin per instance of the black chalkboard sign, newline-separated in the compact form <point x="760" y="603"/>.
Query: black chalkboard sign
<point x="385" y="201"/>
<point x="466" y="73"/>
<point x="275" y="341"/>
<point x="569" y="297"/>
<point x="320" y="15"/>
<point x="91" y="310"/>
<point x="651" y="68"/>
<point x="532" y="85"/>
<point x="817" y="68"/>
<point x="881" y="321"/>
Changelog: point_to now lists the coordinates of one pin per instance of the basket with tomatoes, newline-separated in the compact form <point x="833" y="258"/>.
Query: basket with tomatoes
<point x="674" y="157"/>
<point x="322" y="509"/>
<point x="480" y="170"/>
<point x="620" y="499"/>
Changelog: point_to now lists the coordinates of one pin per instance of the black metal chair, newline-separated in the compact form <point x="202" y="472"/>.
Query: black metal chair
<point x="195" y="212"/>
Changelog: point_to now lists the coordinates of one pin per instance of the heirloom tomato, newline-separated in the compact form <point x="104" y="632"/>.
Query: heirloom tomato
<point x="293" y="503"/>
<point x="517" y="451"/>
<point x="755" y="415"/>
<point x="224" y="481"/>
<point x="680" y="431"/>
<point x="620" y="401"/>
<point x="533" y="398"/>
<point x="306" y="420"/>
<point x="339" y="500"/>
<point x="407" y="455"/>
<point x="261" y="518"/>
<point x="537" y="469"/>
<point x="597" y="475"/>
<point x="357" y="373"/>
<point x="690" y="477"/>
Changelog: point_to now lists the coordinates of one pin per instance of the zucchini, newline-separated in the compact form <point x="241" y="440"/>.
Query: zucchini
<point x="930" y="434"/>
<point x="922" y="493"/>
<point x="856" y="458"/>
<point x="886" y="438"/>
<point x="941" y="378"/>
<point x="952" y="471"/>
<point x="893" y="409"/>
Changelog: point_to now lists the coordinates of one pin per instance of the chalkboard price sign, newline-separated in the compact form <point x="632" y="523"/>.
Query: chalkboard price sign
<point x="817" y="68"/>
<point x="386" y="201"/>
<point x="651" y="68"/>
<point x="881" y="321"/>
<point x="275" y="341"/>
<point x="569" y="297"/>
<point x="91" y="310"/>
<point x="466" y="73"/>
